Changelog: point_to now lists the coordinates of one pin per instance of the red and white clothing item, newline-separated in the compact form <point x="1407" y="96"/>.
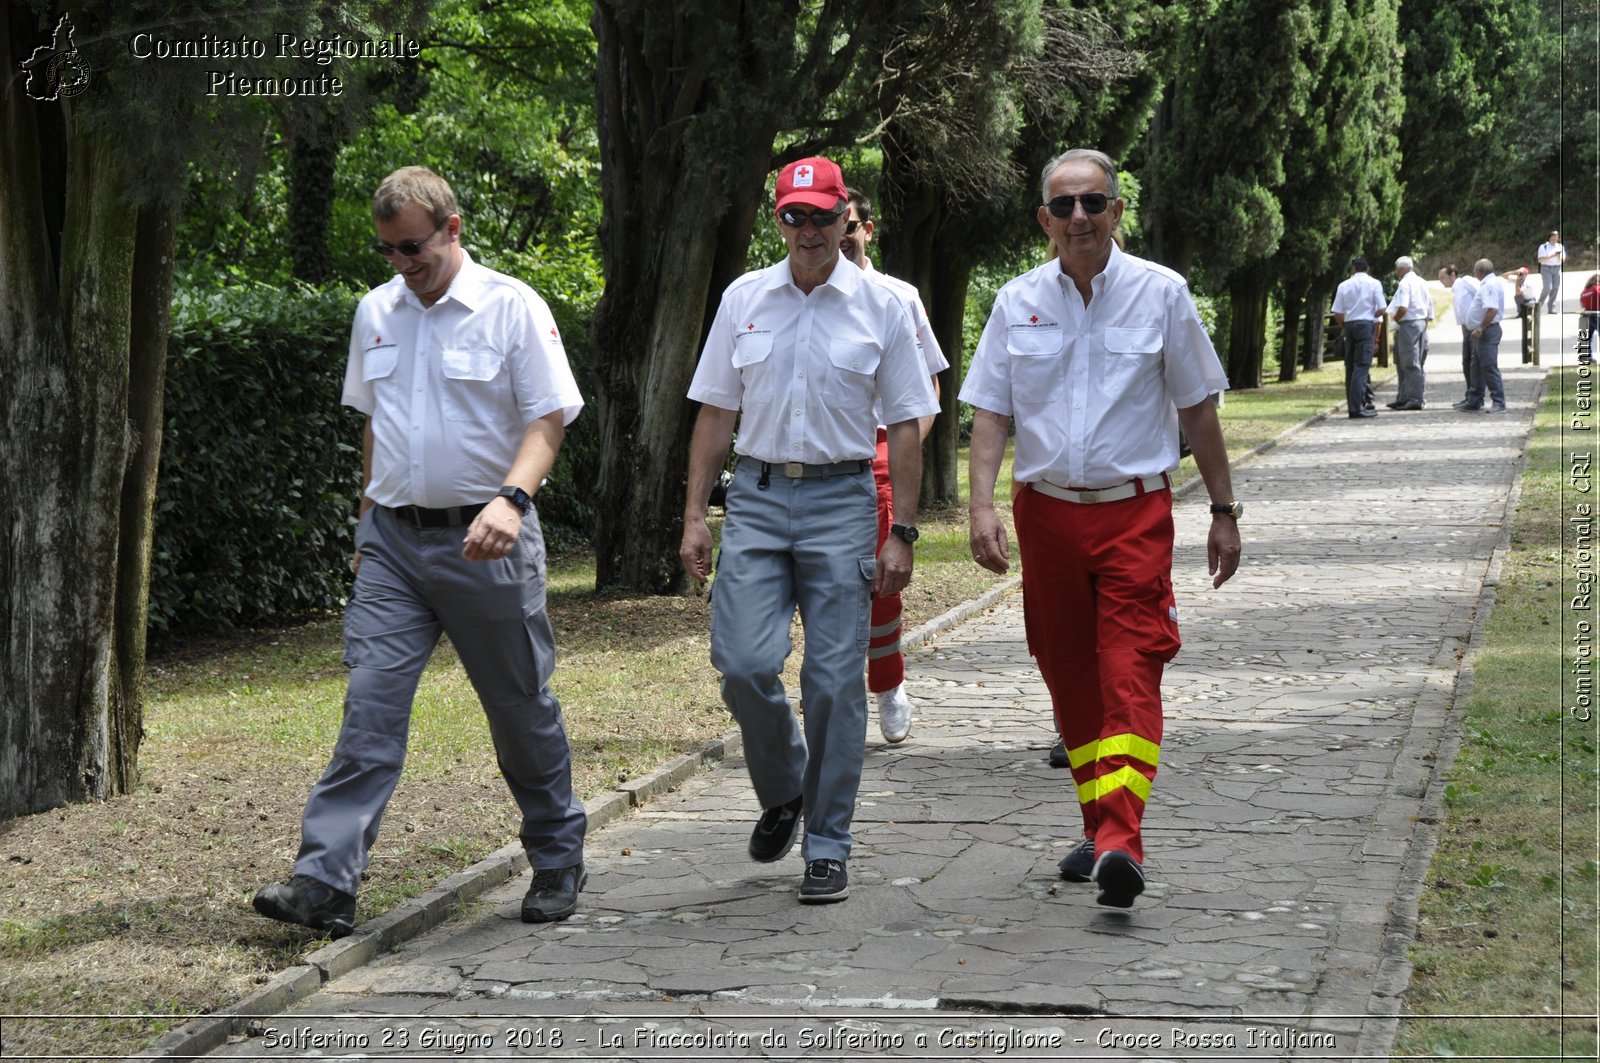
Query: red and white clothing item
<point x="1094" y="389"/>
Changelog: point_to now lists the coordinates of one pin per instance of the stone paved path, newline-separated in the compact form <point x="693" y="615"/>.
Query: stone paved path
<point x="1286" y="833"/>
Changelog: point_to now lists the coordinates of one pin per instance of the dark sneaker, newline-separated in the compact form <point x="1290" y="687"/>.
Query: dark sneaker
<point x="554" y="894"/>
<point x="308" y="902"/>
<point x="825" y="882"/>
<point x="775" y="830"/>
<point x="1119" y="877"/>
<point x="1078" y="865"/>
<point x="1058" y="755"/>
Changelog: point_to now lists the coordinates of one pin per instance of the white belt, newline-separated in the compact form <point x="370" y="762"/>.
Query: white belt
<point x="1131" y="489"/>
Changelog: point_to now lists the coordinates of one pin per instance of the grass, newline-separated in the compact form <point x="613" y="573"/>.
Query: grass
<point x="1507" y="921"/>
<point x="140" y="905"/>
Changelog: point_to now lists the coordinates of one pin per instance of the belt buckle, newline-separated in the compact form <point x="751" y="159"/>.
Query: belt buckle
<point x="1089" y="496"/>
<point x="794" y="470"/>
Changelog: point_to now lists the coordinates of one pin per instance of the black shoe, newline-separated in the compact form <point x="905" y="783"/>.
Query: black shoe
<point x="825" y="882"/>
<point x="308" y="902"/>
<point x="554" y="894"/>
<point x="1119" y="877"/>
<point x="775" y="830"/>
<point x="1078" y="865"/>
<point x="1058" y="755"/>
<point x="1407" y="406"/>
<point x="1465" y="405"/>
<point x="1392" y="405"/>
<point x="1495" y="409"/>
<point x="1369" y="406"/>
<point x="1363" y="413"/>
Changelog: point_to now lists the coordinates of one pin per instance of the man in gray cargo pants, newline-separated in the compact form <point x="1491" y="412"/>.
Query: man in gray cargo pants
<point x="467" y="392"/>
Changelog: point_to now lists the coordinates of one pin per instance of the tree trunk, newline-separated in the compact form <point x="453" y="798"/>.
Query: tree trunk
<point x="1316" y="331"/>
<point x="313" y="152"/>
<point x="1247" y="332"/>
<point x="67" y="696"/>
<point x="1289" y="348"/>
<point x="678" y="217"/>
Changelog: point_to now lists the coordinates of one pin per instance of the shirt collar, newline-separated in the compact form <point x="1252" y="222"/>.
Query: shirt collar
<point x="846" y="280"/>
<point x="465" y="287"/>
<point x="1115" y="265"/>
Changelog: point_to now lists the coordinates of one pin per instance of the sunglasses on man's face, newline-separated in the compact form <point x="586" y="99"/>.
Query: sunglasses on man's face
<point x="408" y="248"/>
<point x="795" y="218"/>
<point x="1093" y="203"/>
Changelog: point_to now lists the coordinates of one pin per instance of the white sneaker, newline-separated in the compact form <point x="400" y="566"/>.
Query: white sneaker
<point x="894" y="714"/>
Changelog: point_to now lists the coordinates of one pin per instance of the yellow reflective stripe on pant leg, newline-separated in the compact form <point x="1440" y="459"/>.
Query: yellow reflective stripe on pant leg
<point x="1125" y="776"/>
<point x="1128" y="745"/>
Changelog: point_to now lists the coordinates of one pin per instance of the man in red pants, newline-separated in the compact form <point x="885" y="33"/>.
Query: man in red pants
<point x="1099" y="356"/>
<point x="886" y="663"/>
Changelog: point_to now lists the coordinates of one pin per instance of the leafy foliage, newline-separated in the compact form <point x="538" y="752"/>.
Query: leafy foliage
<point x="260" y="471"/>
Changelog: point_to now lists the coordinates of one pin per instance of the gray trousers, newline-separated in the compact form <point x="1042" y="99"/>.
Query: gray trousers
<point x="1408" y="360"/>
<point x="1551" y="276"/>
<point x="1487" y="351"/>
<point x="806" y="544"/>
<point x="1357" y="362"/>
<point x="414" y="585"/>
<point x="1469" y="359"/>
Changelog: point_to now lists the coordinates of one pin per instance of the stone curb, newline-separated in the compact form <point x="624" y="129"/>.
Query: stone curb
<point x="204" y="1034"/>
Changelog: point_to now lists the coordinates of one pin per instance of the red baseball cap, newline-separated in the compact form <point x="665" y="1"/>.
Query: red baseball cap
<point x="816" y="182"/>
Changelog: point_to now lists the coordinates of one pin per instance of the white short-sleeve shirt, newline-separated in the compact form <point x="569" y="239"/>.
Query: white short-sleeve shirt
<point x="452" y="388"/>
<point x="1462" y="291"/>
<point x="1094" y="389"/>
<point x="1359" y="297"/>
<point x="927" y="342"/>
<point x="1412" y="293"/>
<point x="806" y="370"/>
<point x="1491" y="295"/>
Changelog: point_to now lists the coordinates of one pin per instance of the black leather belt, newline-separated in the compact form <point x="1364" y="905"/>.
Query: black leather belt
<point x="799" y="470"/>
<point x="453" y="517"/>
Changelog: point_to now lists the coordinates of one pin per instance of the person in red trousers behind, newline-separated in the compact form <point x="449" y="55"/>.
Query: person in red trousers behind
<point x="886" y="662"/>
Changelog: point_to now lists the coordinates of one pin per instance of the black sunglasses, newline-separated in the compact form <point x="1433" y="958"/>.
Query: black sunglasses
<point x="851" y="226"/>
<point x="795" y="218"/>
<point x="408" y="248"/>
<point x="1093" y="203"/>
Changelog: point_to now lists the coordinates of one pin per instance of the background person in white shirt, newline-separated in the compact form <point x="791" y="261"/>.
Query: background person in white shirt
<point x="1099" y="357"/>
<point x="1487" y="311"/>
<point x="467" y="393"/>
<point x="1358" y="307"/>
<point x="886" y="663"/>
<point x="1409" y="308"/>
<point x="1552" y="256"/>
<point x="798" y="354"/>
<point x="1462" y="291"/>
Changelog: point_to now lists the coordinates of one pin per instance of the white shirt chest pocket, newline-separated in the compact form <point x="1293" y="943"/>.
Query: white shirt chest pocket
<point x="379" y="362"/>
<point x="752" y="356"/>
<point x="473" y="388"/>
<point x="853" y="376"/>
<point x="1130" y="354"/>
<point x="1038" y="368"/>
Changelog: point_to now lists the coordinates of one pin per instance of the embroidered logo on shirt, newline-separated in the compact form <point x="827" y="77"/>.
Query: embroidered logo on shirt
<point x="1033" y="322"/>
<point x="377" y="343"/>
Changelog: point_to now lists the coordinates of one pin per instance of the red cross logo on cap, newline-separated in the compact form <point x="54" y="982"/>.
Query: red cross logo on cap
<point x="802" y="176"/>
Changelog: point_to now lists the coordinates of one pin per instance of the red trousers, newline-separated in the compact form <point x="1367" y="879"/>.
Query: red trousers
<point x="886" y="664"/>
<point x="1102" y="623"/>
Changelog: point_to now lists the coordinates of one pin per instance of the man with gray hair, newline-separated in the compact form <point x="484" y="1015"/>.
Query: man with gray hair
<point x="1483" y="318"/>
<point x="1100" y="357"/>
<point x="1410" y="308"/>
<point x="467" y="394"/>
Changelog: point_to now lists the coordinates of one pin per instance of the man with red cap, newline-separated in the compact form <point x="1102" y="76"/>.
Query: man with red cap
<point x="797" y="355"/>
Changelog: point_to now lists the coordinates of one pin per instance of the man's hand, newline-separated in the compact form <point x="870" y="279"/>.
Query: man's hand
<point x="895" y="561"/>
<point x="494" y="532"/>
<point x="987" y="536"/>
<point x="1222" y="549"/>
<point x="695" y="550"/>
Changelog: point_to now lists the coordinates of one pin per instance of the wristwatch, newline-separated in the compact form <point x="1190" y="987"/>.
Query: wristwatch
<point x="905" y="532"/>
<point x="518" y="496"/>
<point x="1231" y="509"/>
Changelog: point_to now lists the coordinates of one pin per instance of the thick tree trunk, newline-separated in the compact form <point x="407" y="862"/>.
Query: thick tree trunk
<point x="1316" y="331"/>
<point x="678" y="217"/>
<point x="64" y="358"/>
<point x="1247" y="332"/>
<point x="313" y="152"/>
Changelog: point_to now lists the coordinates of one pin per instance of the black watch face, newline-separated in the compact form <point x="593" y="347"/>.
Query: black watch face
<point x="907" y="533"/>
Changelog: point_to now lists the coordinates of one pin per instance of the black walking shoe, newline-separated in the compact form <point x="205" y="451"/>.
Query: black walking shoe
<point x="1119" y="877"/>
<point x="775" y="830"/>
<point x="554" y="894"/>
<point x="1078" y="865"/>
<point x="308" y="902"/>
<point x="825" y="882"/>
<point x="1058" y="755"/>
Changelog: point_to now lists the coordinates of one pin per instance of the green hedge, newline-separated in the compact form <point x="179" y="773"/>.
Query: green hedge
<point x="261" y="465"/>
